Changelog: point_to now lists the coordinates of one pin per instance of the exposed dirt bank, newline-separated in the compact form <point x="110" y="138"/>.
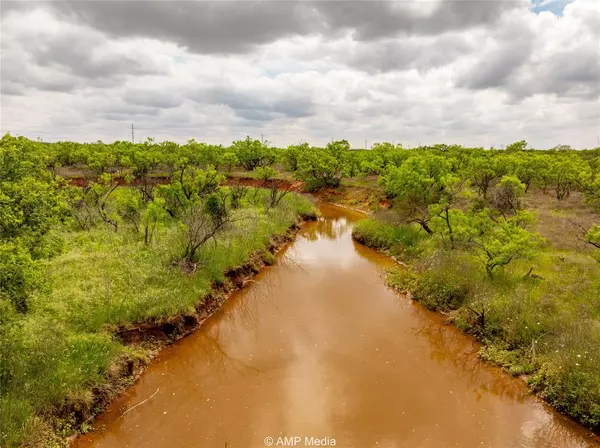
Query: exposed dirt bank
<point x="146" y="339"/>
<point x="318" y="344"/>
<point x="297" y="186"/>
<point x="281" y="184"/>
<point x="121" y="180"/>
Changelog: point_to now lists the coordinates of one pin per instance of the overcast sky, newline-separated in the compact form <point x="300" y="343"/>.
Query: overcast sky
<point x="485" y="73"/>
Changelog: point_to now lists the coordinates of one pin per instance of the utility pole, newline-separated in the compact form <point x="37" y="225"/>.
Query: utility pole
<point x="132" y="134"/>
<point x="262" y="140"/>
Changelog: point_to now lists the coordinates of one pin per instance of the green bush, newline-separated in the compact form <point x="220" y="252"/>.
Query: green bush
<point x="401" y="279"/>
<point x="447" y="282"/>
<point x="573" y="388"/>
<point x="398" y="240"/>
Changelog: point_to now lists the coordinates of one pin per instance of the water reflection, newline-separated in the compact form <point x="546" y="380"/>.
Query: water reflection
<point x="318" y="346"/>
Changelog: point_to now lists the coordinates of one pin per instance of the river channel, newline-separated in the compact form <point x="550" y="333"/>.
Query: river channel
<point x="318" y="348"/>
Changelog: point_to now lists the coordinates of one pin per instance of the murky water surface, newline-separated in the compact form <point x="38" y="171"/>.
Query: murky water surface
<point x="318" y="347"/>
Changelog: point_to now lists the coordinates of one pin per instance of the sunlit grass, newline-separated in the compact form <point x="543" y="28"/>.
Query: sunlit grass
<point x="64" y="346"/>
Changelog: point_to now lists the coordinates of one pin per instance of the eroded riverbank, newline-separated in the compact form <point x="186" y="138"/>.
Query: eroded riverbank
<point x="317" y="346"/>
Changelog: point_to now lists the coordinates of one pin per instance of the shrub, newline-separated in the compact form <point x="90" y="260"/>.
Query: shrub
<point x="398" y="240"/>
<point x="447" y="282"/>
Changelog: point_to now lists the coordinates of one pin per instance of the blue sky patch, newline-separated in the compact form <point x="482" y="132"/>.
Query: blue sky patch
<point x="554" y="6"/>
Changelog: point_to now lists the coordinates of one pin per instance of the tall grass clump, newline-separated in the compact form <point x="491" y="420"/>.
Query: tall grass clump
<point x="447" y="281"/>
<point x="397" y="240"/>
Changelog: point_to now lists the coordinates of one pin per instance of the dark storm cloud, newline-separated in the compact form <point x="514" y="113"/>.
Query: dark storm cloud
<point x="202" y="26"/>
<point x="65" y="60"/>
<point x="377" y="19"/>
<point x="238" y="26"/>
<point x="152" y="98"/>
<point x="19" y="74"/>
<point x="574" y="73"/>
<point x="255" y="105"/>
<point x="399" y="54"/>
<point x="82" y="55"/>
<point x="512" y="48"/>
<point x="494" y="70"/>
<point x="511" y="66"/>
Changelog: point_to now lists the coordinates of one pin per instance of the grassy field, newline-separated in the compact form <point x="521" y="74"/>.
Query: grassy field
<point x="62" y="354"/>
<point x="559" y="221"/>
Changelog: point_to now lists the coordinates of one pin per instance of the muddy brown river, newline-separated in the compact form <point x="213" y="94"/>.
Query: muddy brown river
<point x="317" y="350"/>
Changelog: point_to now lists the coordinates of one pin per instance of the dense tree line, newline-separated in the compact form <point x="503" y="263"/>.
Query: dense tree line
<point x="429" y="185"/>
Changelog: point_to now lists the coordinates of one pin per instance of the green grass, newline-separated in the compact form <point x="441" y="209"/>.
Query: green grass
<point x="545" y="326"/>
<point x="397" y="240"/>
<point x="64" y="346"/>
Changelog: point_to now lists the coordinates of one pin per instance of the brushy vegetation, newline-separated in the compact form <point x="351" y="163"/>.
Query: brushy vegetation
<point x="94" y="236"/>
<point x="546" y="327"/>
<point x="469" y="228"/>
<point x="397" y="240"/>
<point x="76" y="263"/>
<point x="63" y="346"/>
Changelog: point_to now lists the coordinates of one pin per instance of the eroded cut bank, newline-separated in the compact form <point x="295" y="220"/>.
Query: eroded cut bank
<point x="154" y="335"/>
<point x="316" y="346"/>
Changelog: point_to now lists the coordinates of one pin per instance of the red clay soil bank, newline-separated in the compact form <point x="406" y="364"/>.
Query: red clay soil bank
<point x="162" y="180"/>
<point x="175" y="327"/>
<point x="281" y="184"/>
<point x="83" y="182"/>
<point x="157" y="334"/>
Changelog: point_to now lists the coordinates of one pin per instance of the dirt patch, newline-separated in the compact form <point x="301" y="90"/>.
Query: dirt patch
<point x="561" y="222"/>
<point x="366" y="199"/>
<point x="121" y="180"/>
<point x="282" y="184"/>
<point x="385" y="204"/>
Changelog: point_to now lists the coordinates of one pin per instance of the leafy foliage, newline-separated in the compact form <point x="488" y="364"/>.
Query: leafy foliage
<point x="253" y="153"/>
<point x="132" y="239"/>
<point x="139" y="218"/>
<point x="498" y="244"/>
<point x="323" y="167"/>
<point x="508" y="195"/>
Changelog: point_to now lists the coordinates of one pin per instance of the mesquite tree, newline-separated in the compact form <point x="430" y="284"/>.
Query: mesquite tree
<point x="202" y="222"/>
<point x="419" y="183"/>
<point x="276" y="194"/>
